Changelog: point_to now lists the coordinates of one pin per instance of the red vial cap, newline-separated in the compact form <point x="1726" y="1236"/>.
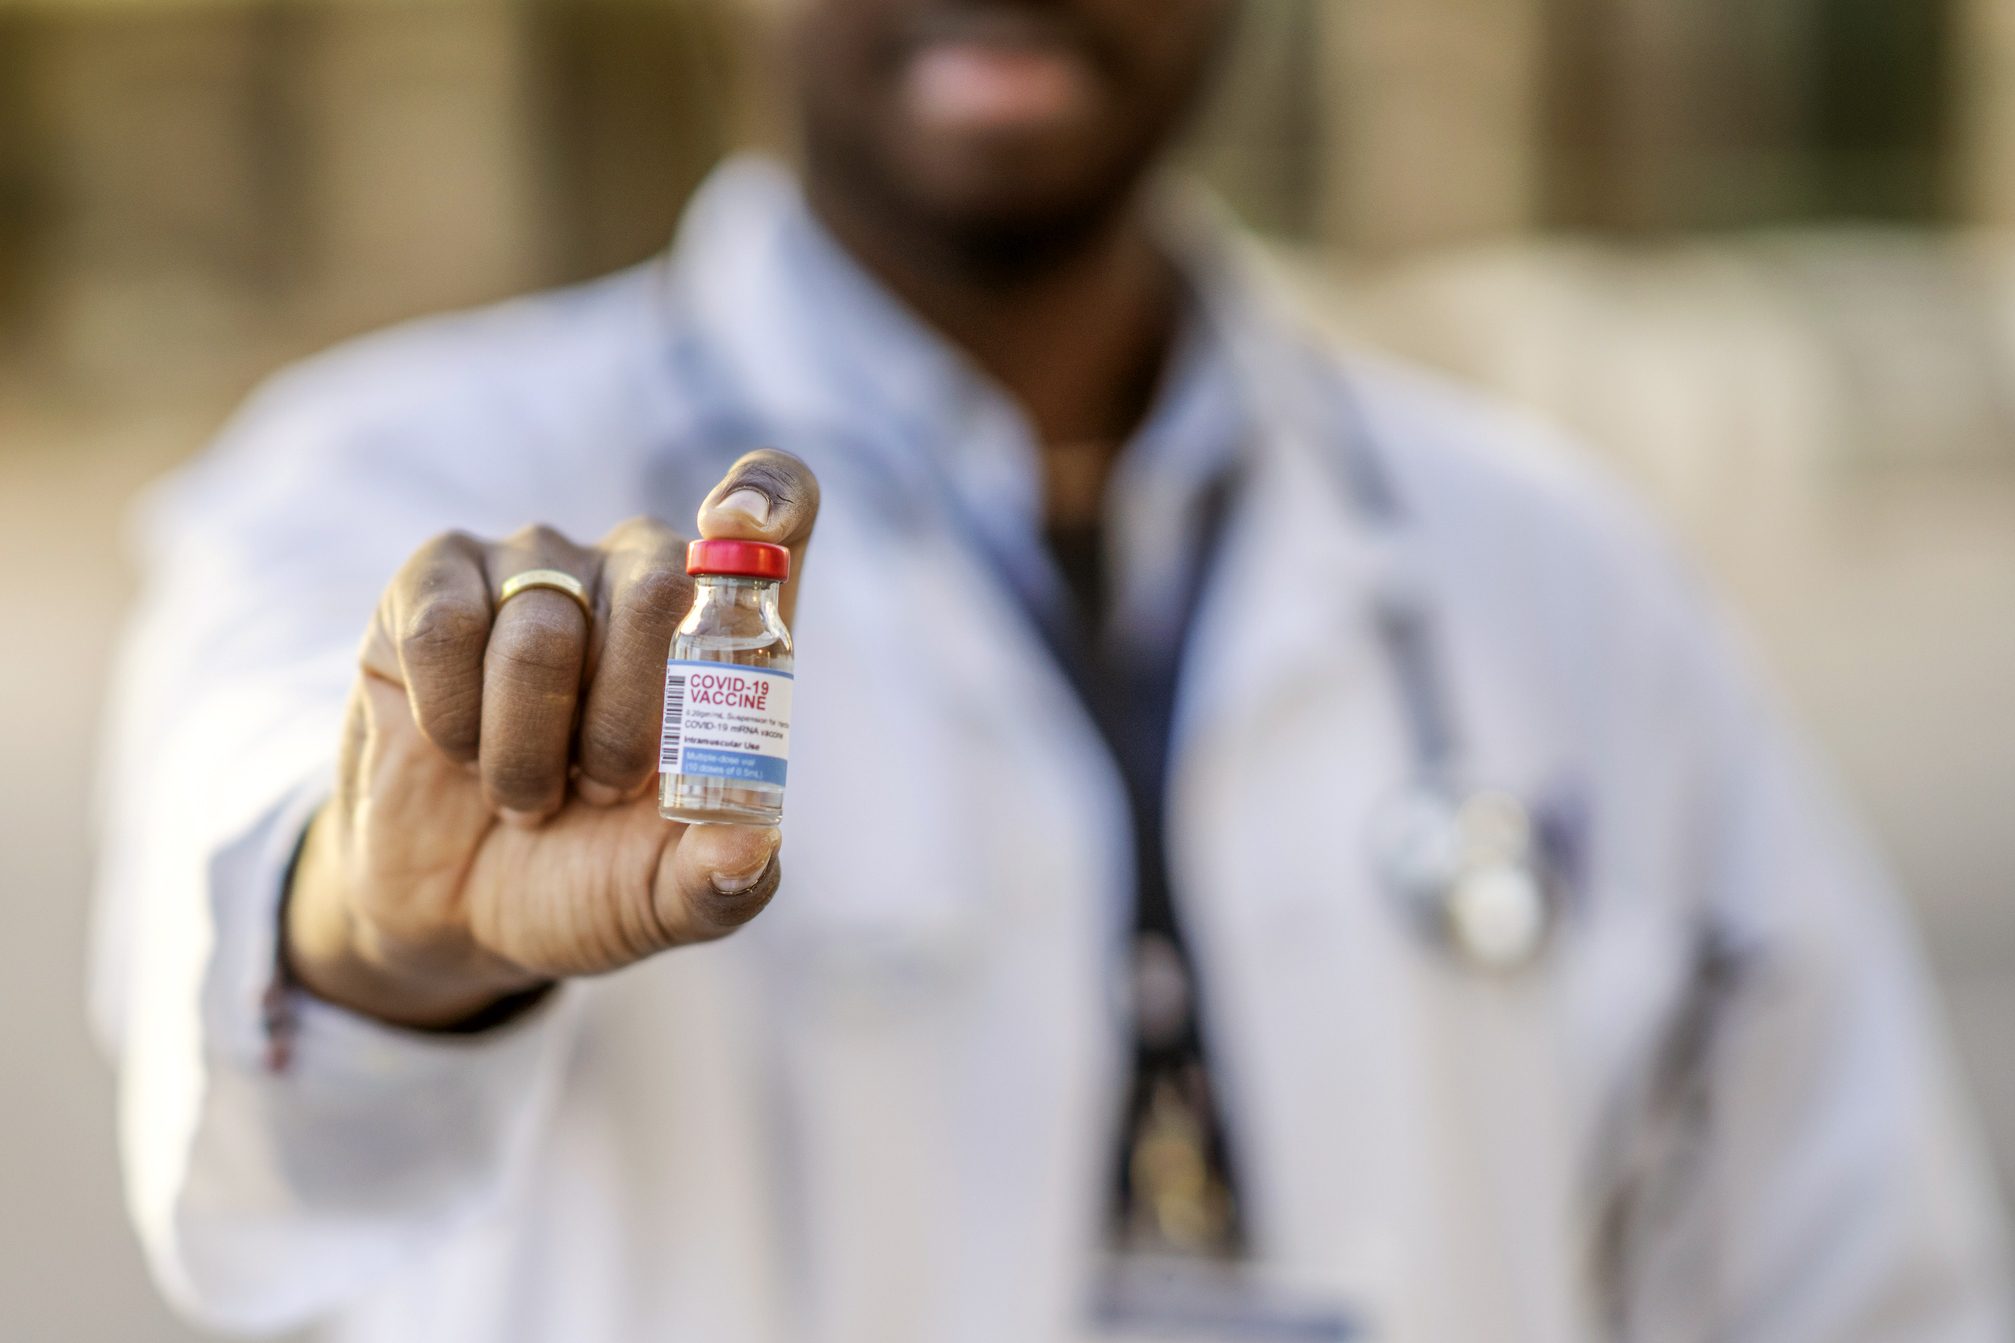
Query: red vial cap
<point x="739" y="559"/>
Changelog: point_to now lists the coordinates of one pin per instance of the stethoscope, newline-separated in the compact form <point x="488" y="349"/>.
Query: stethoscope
<point x="1466" y="868"/>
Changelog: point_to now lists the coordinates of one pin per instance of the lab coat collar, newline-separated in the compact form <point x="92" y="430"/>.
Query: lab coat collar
<point x="798" y="328"/>
<point x="1317" y="540"/>
<point x="801" y="331"/>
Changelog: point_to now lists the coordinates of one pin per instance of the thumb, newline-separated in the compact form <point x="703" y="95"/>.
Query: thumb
<point x="714" y="880"/>
<point x="766" y="496"/>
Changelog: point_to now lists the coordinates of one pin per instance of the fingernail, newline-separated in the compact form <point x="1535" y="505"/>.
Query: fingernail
<point x="523" y="820"/>
<point x="596" y="793"/>
<point x="754" y="503"/>
<point x="734" y="883"/>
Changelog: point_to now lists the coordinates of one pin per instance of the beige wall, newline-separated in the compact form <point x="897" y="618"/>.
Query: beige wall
<point x="1985" y="100"/>
<point x="1433" y="116"/>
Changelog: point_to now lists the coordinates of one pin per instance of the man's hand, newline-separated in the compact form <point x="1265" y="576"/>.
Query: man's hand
<point x="495" y="825"/>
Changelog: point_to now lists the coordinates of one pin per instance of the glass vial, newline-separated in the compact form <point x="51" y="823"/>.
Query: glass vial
<point x="727" y="723"/>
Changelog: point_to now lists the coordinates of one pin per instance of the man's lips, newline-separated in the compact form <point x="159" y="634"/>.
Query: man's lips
<point x="989" y="85"/>
<point x="1001" y="69"/>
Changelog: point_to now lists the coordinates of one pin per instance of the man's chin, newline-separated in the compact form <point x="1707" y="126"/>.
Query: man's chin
<point x="1011" y="202"/>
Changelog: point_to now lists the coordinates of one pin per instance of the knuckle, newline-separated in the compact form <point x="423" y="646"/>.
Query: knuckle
<point x="540" y="648"/>
<point x="442" y="545"/>
<point x="453" y="722"/>
<point x="522" y="780"/>
<point x="443" y="629"/>
<point x="615" y="753"/>
<point x="659" y="591"/>
<point x="539" y="538"/>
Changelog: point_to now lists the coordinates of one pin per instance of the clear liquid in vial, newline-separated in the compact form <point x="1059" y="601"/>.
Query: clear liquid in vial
<point x="726" y="634"/>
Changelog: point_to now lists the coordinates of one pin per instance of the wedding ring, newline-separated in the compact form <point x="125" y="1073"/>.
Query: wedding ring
<point x="556" y="579"/>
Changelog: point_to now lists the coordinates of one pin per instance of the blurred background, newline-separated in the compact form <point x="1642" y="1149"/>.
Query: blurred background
<point x="1760" y="257"/>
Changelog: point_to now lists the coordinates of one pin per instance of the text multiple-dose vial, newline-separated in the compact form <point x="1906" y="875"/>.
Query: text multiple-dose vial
<point x="727" y="727"/>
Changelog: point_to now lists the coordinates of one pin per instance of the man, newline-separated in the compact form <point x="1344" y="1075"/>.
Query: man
<point x="1273" y="853"/>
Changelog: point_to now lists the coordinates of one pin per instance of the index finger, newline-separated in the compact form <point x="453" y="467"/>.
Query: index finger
<point x="766" y="496"/>
<point x="428" y="637"/>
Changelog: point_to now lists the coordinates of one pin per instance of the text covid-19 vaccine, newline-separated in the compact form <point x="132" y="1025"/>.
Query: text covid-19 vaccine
<point x="727" y="727"/>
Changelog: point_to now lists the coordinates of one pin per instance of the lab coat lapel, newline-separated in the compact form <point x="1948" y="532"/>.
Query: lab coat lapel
<point x="1286" y="738"/>
<point x="949" y="1037"/>
<point x="1382" y="1101"/>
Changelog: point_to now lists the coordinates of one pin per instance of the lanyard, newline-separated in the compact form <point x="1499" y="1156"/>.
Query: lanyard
<point x="1129" y="695"/>
<point x="1175" y="1181"/>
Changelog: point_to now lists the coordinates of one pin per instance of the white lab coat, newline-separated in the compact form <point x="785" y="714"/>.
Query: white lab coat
<point x="885" y="1112"/>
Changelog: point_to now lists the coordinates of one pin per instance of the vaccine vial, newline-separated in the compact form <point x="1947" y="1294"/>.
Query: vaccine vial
<point x="727" y="726"/>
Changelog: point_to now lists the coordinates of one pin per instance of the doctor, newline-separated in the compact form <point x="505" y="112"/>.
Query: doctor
<point x="1273" y="850"/>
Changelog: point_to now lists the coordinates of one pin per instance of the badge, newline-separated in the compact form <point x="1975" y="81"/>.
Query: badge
<point x="1177" y="1301"/>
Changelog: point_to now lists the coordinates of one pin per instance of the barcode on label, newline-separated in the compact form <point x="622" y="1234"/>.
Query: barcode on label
<point x="675" y="717"/>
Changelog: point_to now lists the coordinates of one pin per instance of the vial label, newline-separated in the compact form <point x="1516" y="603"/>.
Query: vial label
<point x="724" y="721"/>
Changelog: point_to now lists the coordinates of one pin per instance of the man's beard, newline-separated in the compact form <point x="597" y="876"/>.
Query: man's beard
<point x="997" y="244"/>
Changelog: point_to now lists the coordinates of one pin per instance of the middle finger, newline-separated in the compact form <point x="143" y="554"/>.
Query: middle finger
<point x="646" y="594"/>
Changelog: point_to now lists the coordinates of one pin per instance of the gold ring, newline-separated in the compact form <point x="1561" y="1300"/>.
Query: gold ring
<point x="556" y="579"/>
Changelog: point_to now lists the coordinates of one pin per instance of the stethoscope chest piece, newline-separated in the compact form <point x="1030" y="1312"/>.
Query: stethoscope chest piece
<point x="1469" y="876"/>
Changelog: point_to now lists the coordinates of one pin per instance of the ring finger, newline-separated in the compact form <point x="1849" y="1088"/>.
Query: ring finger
<point x="532" y="675"/>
